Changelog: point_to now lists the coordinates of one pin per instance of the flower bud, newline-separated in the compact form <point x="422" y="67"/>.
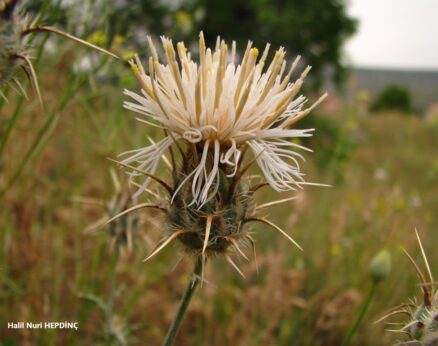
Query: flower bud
<point x="380" y="266"/>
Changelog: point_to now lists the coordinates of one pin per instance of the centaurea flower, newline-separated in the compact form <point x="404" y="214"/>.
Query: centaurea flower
<point x="221" y="107"/>
<point x="214" y="112"/>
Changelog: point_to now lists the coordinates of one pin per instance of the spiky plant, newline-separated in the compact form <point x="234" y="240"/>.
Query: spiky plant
<point x="120" y="232"/>
<point x="15" y="49"/>
<point x="216" y="113"/>
<point x="422" y="325"/>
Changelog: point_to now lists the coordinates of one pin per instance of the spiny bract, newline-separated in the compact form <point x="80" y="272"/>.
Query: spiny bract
<point x="422" y="326"/>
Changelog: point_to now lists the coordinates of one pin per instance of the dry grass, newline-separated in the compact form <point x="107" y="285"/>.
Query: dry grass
<point x="308" y="298"/>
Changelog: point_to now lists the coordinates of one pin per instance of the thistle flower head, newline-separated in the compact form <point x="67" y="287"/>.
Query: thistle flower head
<point x="125" y="229"/>
<point x="422" y="325"/>
<point x="14" y="49"/>
<point x="122" y="232"/>
<point x="214" y="111"/>
<point x="222" y="107"/>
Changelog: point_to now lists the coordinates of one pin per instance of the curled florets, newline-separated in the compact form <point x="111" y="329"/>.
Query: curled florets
<point x="223" y="107"/>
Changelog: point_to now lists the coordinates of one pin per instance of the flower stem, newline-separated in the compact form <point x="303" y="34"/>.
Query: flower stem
<point x="362" y="314"/>
<point x="185" y="300"/>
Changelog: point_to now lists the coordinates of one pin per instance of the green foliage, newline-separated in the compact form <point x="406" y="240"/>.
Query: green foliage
<point x="314" y="29"/>
<point x="394" y="97"/>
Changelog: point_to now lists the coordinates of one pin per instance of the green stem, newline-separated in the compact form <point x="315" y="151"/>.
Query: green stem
<point x="362" y="314"/>
<point x="185" y="300"/>
<point x="112" y="295"/>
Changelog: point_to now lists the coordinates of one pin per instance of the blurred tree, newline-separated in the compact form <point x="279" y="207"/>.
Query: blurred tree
<point x="394" y="97"/>
<point x="314" y="29"/>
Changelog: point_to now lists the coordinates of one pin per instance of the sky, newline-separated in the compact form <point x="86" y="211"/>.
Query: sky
<point x="394" y="34"/>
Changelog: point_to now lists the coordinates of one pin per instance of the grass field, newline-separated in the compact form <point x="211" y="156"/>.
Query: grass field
<point x="52" y="270"/>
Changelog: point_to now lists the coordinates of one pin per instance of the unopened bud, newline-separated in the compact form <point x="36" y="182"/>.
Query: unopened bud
<point x="380" y="266"/>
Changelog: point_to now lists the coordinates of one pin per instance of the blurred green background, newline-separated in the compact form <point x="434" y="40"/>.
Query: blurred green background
<point x="54" y="175"/>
